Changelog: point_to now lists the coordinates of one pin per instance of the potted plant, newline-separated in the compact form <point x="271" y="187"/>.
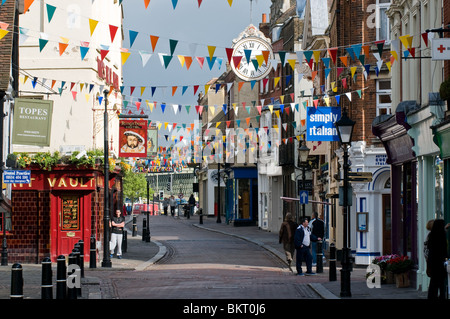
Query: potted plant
<point x="400" y="266"/>
<point x="386" y="275"/>
<point x="444" y="90"/>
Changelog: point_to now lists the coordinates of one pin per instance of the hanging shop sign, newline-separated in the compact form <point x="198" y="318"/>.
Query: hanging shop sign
<point x="440" y="49"/>
<point x="133" y="138"/>
<point x="32" y="122"/>
<point x="320" y="123"/>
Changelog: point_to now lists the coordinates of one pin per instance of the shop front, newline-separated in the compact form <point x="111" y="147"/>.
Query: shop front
<point x="57" y="209"/>
<point x="243" y="194"/>
<point x="393" y="132"/>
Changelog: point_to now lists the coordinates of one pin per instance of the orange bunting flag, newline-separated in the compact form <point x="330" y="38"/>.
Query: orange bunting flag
<point x="27" y="5"/>
<point x="154" y="39"/>
<point x="344" y="60"/>
<point x="240" y="86"/>
<point x="62" y="47"/>
<point x="146" y="2"/>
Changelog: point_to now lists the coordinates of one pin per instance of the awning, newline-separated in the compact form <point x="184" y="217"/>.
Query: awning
<point x="291" y="199"/>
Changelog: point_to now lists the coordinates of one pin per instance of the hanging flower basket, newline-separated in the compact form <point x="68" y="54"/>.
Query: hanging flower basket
<point x="444" y="90"/>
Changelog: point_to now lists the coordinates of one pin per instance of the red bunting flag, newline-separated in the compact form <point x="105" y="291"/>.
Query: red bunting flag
<point x="113" y="31"/>
<point x="195" y="90"/>
<point x="229" y="54"/>
<point x="103" y="53"/>
<point x="333" y="54"/>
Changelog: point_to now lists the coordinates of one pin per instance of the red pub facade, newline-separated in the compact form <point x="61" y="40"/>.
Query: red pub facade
<point x="58" y="208"/>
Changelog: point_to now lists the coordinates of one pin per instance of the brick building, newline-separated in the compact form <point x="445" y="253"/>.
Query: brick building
<point x="57" y="209"/>
<point x="354" y="36"/>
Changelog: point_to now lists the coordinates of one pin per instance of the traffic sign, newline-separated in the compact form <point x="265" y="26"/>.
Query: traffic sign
<point x="360" y="177"/>
<point x="303" y="197"/>
<point x="16" y="177"/>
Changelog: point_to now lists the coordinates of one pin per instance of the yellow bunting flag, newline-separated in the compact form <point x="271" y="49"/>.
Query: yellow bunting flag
<point x="3" y="33"/>
<point x="230" y="2"/>
<point x="92" y="25"/>
<point x="275" y="81"/>
<point x="211" y="50"/>
<point x="353" y="70"/>
<point x="125" y="56"/>
<point x="260" y="59"/>
<point x="292" y="63"/>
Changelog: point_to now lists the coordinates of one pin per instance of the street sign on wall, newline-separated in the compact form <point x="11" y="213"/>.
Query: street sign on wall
<point x="440" y="49"/>
<point x="320" y="123"/>
<point x="16" y="176"/>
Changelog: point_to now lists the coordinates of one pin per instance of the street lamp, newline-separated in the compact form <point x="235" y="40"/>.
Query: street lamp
<point x="106" y="258"/>
<point x="345" y="130"/>
<point x="304" y="153"/>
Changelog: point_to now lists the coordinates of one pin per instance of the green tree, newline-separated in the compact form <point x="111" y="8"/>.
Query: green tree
<point x="135" y="186"/>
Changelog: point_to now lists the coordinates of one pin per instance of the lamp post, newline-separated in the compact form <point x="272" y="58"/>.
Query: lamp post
<point x="345" y="130"/>
<point x="219" y="220"/>
<point x="304" y="153"/>
<point x="106" y="258"/>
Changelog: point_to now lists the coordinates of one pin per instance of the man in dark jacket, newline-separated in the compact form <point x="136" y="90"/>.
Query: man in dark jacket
<point x="286" y="237"/>
<point x="317" y="229"/>
<point x="302" y="242"/>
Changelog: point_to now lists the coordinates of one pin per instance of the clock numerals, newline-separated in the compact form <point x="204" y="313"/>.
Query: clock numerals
<point x="250" y="70"/>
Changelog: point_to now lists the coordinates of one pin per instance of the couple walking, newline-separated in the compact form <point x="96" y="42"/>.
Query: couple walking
<point x="299" y="238"/>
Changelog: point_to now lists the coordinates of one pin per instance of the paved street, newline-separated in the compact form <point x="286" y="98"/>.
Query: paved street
<point x="206" y="264"/>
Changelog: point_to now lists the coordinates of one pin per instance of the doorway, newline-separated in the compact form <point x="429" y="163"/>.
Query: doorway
<point x="70" y="222"/>
<point x="387" y="224"/>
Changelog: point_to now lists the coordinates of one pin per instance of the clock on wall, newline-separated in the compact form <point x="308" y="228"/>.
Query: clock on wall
<point x="254" y="52"/>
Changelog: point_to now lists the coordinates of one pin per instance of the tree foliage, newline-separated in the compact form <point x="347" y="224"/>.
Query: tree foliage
<point x="135" y="186"/>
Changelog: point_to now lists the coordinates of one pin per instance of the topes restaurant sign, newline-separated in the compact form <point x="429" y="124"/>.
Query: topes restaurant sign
<point x="32" y="122"/>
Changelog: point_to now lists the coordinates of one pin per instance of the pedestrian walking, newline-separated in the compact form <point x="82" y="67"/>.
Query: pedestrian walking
<point x="191" y="204"/>
<point x="317" y="227"/>
<point x="117" y="224"/>
<point x="173" y="204"/>
<point x="286" y="237"/>
<point x="437" y="252"/>
<point x="302" y="241"/>
<point x="165" y="205"/>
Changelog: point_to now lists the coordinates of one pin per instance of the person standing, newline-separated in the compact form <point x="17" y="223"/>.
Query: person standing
<point x="117" y="224"/>
<point x="317" y="227"/>
<point x="302" y="242"/>
<point x="165" y="205"/>
<point x="191" y="204"/>
<point x="173" y="204"/>
<point x="437" y="252"/>
<point x="286" y="237"/>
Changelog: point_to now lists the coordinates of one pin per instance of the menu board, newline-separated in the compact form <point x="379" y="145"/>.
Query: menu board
<point x="70" y="213"/>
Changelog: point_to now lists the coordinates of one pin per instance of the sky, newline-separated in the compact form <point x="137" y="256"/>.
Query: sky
<point x="214" y="23"/>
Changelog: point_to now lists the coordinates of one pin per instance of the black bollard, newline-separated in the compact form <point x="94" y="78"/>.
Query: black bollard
<point x="319" y="259"/>
<point x="92" y="253"/>
<point x="76" y="251"/>
<point x="16" y="282"/>
<point x="61" y="287"/>
<point x="71" y="289"/>
<point x="332" y="275"/>
<point x="144" y="229"/>
<point x="81" y="243"/>
<point x="147" y="238"/>
<point x="201" y="215"/>
<point x="124" y="241"/>
<point x="134" y="227"/>
<point x="46" y="283"/>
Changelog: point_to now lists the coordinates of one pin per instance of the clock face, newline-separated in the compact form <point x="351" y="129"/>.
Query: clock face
<point x="255" y="55"/>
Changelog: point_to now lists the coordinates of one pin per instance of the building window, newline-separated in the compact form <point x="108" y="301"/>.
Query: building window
<point x="383" y="96"/>
<point x="383" y="27"/>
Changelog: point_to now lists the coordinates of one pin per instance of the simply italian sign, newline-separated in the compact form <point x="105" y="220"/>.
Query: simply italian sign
<point x="320" y="123"/>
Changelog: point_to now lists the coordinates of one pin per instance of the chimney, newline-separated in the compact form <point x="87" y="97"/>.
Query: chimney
<point x="264" y="18"/>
